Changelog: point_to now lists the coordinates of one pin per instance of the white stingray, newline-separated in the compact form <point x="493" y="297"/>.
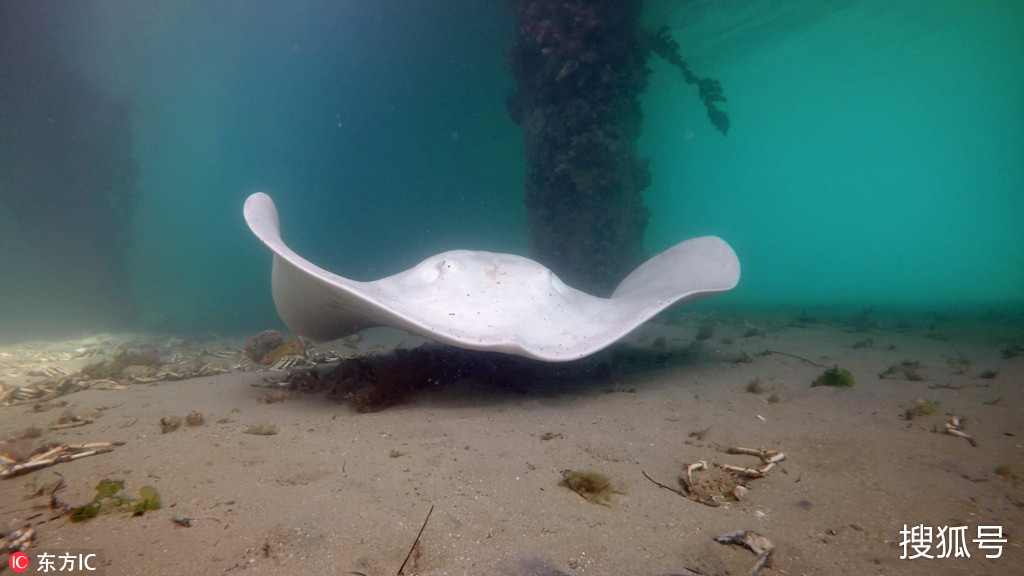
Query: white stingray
<point x="488" y="301"/>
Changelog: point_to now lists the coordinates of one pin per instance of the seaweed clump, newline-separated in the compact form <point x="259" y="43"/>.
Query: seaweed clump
<point x="149" y="499"/>
<point x="293" y="347"/>
<point x="108" y="498"/>
<point x="920" y="408"/>
<point x="756" y="386"/>
<point x="259" y="345"/>
<point x="1012" y="351"/>
<point x="592" y="486"/>
<point x="906" y="370"/>
<point x="835" y="377"/>
<point x="708" y="89"/>
<point x="374" y="383"/>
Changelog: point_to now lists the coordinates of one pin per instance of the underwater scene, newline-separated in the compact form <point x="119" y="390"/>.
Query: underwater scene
<point x="520" y="287"/>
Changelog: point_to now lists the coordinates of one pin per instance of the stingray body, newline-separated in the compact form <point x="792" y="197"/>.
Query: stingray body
<point x="486" y="300"/>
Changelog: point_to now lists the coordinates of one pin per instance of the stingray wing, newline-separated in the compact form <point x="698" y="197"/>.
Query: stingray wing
<point x="485" y="300"/>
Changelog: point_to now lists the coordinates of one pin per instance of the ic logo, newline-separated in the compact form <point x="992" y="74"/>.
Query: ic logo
<point x="18" y="562"/>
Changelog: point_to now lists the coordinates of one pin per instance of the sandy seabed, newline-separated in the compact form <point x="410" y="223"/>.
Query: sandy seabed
<point x="340" y="492"/>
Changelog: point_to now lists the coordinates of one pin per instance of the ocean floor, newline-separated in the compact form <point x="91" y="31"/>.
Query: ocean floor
<point x="582" y="470"/>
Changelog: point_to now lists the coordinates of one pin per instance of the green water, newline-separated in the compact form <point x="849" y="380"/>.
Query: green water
<point x="877" y="154"/>
<point x="874" y="157"/>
